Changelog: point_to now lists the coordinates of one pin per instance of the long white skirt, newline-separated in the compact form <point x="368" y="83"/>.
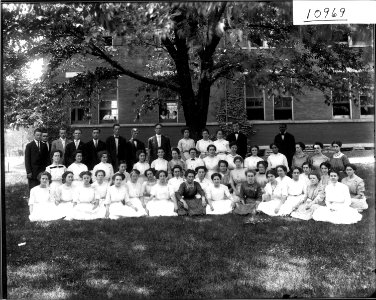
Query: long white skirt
<point x="268" y="207"/>
<point x="289" y="204"/>
<point x="119" y="210"/>
<point x="359" y="204"/>
<point x="85" y="211"/>
<point x="221" y="207"/>
<point x="343" y="215"/>
<point x="66" y="209"/>
<point x="160" y="208"/>
<point x="45" y="212"/>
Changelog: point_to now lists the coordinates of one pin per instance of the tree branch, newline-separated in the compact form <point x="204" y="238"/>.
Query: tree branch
<point x="220" y="72"/>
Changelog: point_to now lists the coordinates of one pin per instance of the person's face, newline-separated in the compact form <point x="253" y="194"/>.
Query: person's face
<point x="333" y="177"/>
<point x="234" y="148"/>
<point x="134" y="177"/>
<point x="43" y="180"/>
<point x="142" y="157"/>
<point x="261" y="168"/>
<point x="175" y="155"/>
<point x="350" y="171"/>
<point x="122" y="168"/>
<point x="56" y="157"/>
<point x="38" y="136"/>
<point x="254" y="151"/>
<point x="295" y="174"/>
<point x="134" y="133"/>
<point x="86" y="179"/>
<point x="216" y="180"/>
<point x="271" y="178"/>
<point x="160" y="153"/>
<point x="190" y="178"/>
<point x="250" y="177"/>
<point x="313" y="179"/>
<point x="100" y="176"/>
<point x="62" y="133"/>
<point x="336" y="148"/>
<point x="222" y="168"/>
<point x="298" y="148"/>
<point x="150" y="175"/>
<point x="235" y="127"/>
<point x="158" y="129"/>
<point x="192" y="154"/>
<point x="317" y="149"/>
<point x="77" y="134"/>
<point x="116" y="130"/>
<point x="205" y="135"/>
<point x="211" y="151"/>
<point x="176" y="172"/>
<point x="162" y="177"/>
<point x="118" y="181"/>
<point x="282" y="128"/>
<point x="201" y="174"/>
<point x="219" y="135"/>
<point x="275" y="149"/>
<point x="104" y="158"/>
<point x="280" y="172"/>
<point x="44" y="136"/>
<point x="69" y="178"/>
<point x="306" y="169"/>
<point x="78" y="157"/>
<point x="324" y="170"/>
<point x="95" y="134"/>
<point x="186" y="134"/>
<point x="238" y="163"/>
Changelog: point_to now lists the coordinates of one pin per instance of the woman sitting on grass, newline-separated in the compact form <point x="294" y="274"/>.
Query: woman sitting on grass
<point x="86" y="201"/>
<point x="219" y="198"/>
<point x="190" y="196"/>
<point x="64" y="195"/>
<point x="42" y="202"/>
<point x="274" y="196"/>
<point x="314" y="197"/>
<point x="148" y="184"/>
<point x="225" y="174"/>
<point x="276" y="159"/>
<point x="324" y="169"/>
<point x="250" y="196"/>
<point x="56" y="170"/>
<point x="100" y="186"/>
<point x="175" y="152"/>
<point x="356" y="187"/>
<point x="118" y="204"/>
<point x="337" y="201"/>
<point x="307" y="169"/>
<point x="136" y="196"/>
<point x="142" y="165"/>
<point x="237" y="177"/>
<point x="295" y="193"/>
<point x="77" y="168"/>
<point x="201" y="178"/>
<point x="105" y="166"/>
<point x="160" y="203"/>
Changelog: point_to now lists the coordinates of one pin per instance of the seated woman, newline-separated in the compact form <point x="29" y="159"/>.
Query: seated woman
<point x="118" y="205"/>
<point x="100" y="186"/>
<point x="250" y="162"/>
<point x="219" y="198"/>
<point x="314" y="197"/>
<point x="307" y="169"/>
<point x="56" y="170"/>
<point x="211" y="161"/>
<point x="160" y="163"/>
<point x="148" y="184"/>
<point x="105" y="166"/>
<point x="136" y="197"/>
<point x="142" y="165"/>
<point x="250" y="196"/>
<point x="337" y="201"/>
<point x="295" y="193"/>
<point x="175" y="182"/>
<point x="339" y="160"/>
<point x="230" y="157"/>
<point x="221" y="145"/>
<point x="193" y="162"/>
<point x="282" y="177"/>
<point x="123" y="170"/>
<point x="86" y="201"/>
<point x="185" y="144"/>
<point x="324" y="173"/>
<point x="274" y="196"/>
<point x="202" y="145"/>
<point x="201" y="178"/>
<point x="317" y="158"/>
<point x="64" y="195"/>
<point x="42" y="202"/>
<point x="175" y="152"/>
<point x="160" y="203"/>
<point x="237" y="177"/>
<point x="190" y="196"/>
<point x="261" y="174"/>
<point x="276" y="159"/>
<point x="77" y="168"/>
<point x="299" y="157"/>
<point x="356" y="187"/>
<point x="225" y="174"/>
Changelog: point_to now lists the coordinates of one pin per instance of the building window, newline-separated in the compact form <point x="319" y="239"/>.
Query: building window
<point x="341" y="106"/>
<point x="254" y="102"/>
<point x="367" y="106"/>
<point x="283" y="108"/>
<point x="71" y="74"/>
<point x="108" y="106"/>
<point x="78" y="116"/>
<point x="168" y="112"/>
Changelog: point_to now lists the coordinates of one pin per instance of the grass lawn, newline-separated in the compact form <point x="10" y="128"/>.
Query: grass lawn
<point x="202" y="257"/>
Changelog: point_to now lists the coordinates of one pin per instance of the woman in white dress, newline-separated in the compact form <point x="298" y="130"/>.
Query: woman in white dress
<point x="237" y="177"/>
<point x="148" y="184"/>
<point x="219" y="198"/>
<point x="160" y="203"/>
<point x="117" y="201"/>
<point x="64" y="195"/>
<point x="77" y="168"/>
<point x="338" y="201"/>
<point x="175" y="152"/>
<point x="202" y="145"/>
<point x="142" y="165"/>
<point x="211" y="161"/>
<point x="135" y="193"/>
<point x="296" y="190"/>
<point x="230" y="157"/>
<point x="222" y="146"/>
<point x="100" y="186"/>
<point x="356" y="187"/>
<point x="160" y="164"/>
<point x="275" y="194"/>
<point x="275" y="159"/>
<point x="204" y="182"/>
<point x="56" y="170"/>
<point x="105" y="166"/>
<point x="225" y="174"/>
<point x="324" y="172"/>
<point x="307" y="169"/>
<point x="123" y="170"/>
<point x="260" y="176"/>
<point x="282" y="177"/>
<point x="175" y="182"/>
<point x="42" y="204"/>
<point x="185" y="144"/>
<point x="86" y="201"/>
<point x="250" y="162"/>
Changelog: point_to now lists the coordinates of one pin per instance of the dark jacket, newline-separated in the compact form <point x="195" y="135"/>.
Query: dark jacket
<point x="124" y="152"/>
<point x="70" y="149"/>
<point x="241" y="142"/>
<point x="35" y="158"/>
<point x="91" y="153"/>
<point x="153" y="148"/>
<point x="286" y="146"/>
<point x="134" y="148"/>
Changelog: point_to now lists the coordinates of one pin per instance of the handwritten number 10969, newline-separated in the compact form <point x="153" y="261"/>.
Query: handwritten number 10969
<point x="325" y="13"/>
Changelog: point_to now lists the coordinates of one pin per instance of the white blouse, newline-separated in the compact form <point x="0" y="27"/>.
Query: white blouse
<point x="277" y="192"/>
<point x="77" y="168"/>
<point x="337" y="193"/>
<point x="39" y="195"/>
<point x="296" y="187"/>
<point x="160" y="192"/>
<point x="205" y="184"/>
<point x="192" y="164"/>
<point x="101" y="189"/>
<point x="185" y="144"/>
<point x="218" y="193"/>
<point x="142" y="167"/>
<point x="174" y="184"/>
<point x="222" y="146"/>
<point x="116" y="194"/>
<point x="285" y="181"/>
<point x="202" y="145"/>
<point x="107" y="168"/>
<point x="134" y="189"/>
<point x="65" y="193"/>
<point x="230" y="161"/>
<point x="160" y="164"/>
<point x="84" y="195"/>
<point x="211" y="163"/>
<point x="275" y="160"/>
<point x="56" y="171"/>
<point x="251" y="162"/>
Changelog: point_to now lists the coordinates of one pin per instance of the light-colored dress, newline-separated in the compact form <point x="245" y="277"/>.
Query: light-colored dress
<point x="160" y="164"/>
<point x="56" y="172"/>
<point x="127" y="177"/>
<point x="101" y="191"/>
<point x="356" y="188"/>
<point x="85" y="209"/>
<point x="146" y="189"/>
<point x="238" y="177"/>
<point x="173" y="185"/>
<point x="337" y="209"/>
<point x="211" y="163"/>
<point x="76" y="169"/>
<point x="184" y="145"/>
<point x="107" y="168"/>
<point x="305" y="178"/>
<point x="261" y="179"/>
<point x="192" y="164"/>
<point x="316" y="160"/>
<point x="44" y="207"/>
<point x="135" y="194"/>
<point x="230" y="161"/>
<point x="298" y="160"/>
<point x="161" y="205"/>
<point x="172" y="163"/>
<point x="205" y="183"/>
<point x="284" y="181"/>
<point x="275" y="160"/>
<point x="222" y="148"/>
<point x="221" y="200"/>
<point x="251" y="162"/>
<point x="276" y="194"/>
<point x="142" y="167"/>
<point x="202" y="147"/>
<point x="314" y="198"/>
<point x="64" y="194"/>
<point x="295" y="194"/>
<point x="325" y="180"/>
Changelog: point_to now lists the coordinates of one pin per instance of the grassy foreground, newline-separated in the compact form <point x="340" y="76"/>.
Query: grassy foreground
<point x="202" y="257"/>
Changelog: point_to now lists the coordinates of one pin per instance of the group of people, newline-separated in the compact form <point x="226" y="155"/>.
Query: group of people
<point x="119" y="178"/>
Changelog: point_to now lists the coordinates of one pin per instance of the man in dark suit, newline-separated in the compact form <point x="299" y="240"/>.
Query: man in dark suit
<point x="60" y="143"/>
<point x="118" y="149"/>
<point x="239" y="138"/>
<point x="92" y="148"/>
<point x="72" y="147"/>
<point x="156" y="141"/>
<point x="35" y="158"/>
<point x="135" y="144"/>
<point x="285" y="142"/>
<point x="48" y="144"/>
